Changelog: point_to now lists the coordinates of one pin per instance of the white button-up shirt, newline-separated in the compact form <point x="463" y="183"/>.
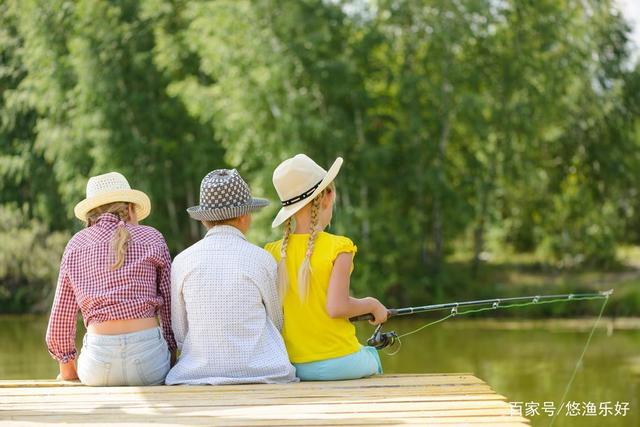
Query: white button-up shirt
<point x="226" y="314"/>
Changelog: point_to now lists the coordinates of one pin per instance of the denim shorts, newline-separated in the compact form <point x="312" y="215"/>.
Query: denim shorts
<point x="363" y="363"/>
<point x="138" y="358"/>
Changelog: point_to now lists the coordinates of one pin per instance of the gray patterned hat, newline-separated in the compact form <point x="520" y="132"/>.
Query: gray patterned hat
<point x="224" y="195"/>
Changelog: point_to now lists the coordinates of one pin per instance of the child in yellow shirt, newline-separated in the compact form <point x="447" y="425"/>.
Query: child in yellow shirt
<point x="314" y="269"/>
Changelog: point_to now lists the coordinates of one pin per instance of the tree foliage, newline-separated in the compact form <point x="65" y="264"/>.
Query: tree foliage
<point x="479" y="125"/>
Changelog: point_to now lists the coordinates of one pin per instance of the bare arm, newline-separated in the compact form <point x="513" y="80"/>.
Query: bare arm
<point x="340" y="304"/>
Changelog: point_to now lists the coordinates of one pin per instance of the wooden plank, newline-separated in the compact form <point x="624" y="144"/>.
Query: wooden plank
<point x="251" y="399"/>
<point x="207" y="421"/>
<point x="251" y="416"/>
<point x="193" y="407"/>
<point x="221" y="392"/>
<point x="433" y="399"/>
<point x="494" y="407"/>
<point x="405" y="380"/>
<point x="364" y="385"/>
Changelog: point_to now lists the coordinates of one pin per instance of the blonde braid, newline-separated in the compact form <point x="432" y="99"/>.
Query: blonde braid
<point x="120" y="240"/>
<point x="283" y="278"/>
<point x="304" y="273"/>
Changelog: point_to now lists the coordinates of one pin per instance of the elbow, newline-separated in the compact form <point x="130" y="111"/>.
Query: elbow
<point x="334" y="311"/>
<point x="51" y="342"/>
<point x="61" y="348"/>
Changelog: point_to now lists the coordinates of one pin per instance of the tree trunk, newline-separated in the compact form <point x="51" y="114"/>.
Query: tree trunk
<point x="478" y="234"/>
<point x="438" y="217"/>
<point x="171" y="205"/>
<point x="364" y="188"/>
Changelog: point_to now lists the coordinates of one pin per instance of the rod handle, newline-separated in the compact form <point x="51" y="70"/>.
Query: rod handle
<point x="368" y="316"/>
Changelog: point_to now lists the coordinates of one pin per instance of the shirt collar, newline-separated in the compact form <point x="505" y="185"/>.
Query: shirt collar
<point x="107" y="220"/>
<point x="225" y="229"/>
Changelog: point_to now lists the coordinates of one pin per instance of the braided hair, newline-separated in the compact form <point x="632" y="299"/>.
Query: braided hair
<point x="304" y="273"/>
<point x="120" y="240"/>
<point x="283" y="278"/>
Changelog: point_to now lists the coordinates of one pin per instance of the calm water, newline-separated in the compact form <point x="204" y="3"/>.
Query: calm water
<point x="526" y="363"/>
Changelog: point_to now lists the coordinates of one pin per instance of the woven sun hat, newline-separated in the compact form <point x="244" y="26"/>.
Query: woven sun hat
<point x="298" y="181"/>
<point x="224" y="195"/>
<point x="109" y="188"/>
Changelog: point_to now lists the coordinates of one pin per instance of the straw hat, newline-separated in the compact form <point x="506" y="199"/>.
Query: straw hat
<point x="109" y="188"/>
<point x="298" y="181"/>
<point x="224" y="195"/>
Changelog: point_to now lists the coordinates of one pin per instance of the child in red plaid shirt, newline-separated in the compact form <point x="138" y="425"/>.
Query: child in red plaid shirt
<point x="117" y="274"/>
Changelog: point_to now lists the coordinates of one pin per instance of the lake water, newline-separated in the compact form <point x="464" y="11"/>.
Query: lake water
<point x="525" y="361"/>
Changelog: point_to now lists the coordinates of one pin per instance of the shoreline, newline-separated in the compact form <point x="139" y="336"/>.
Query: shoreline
<point x="568" y="324"/>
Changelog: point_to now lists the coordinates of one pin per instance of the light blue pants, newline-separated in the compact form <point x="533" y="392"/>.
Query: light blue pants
<point x="138" y="358"/>
<point x="362" y="363"/>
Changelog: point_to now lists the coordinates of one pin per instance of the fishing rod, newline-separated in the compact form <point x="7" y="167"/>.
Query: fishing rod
<point x="381" y="339"/>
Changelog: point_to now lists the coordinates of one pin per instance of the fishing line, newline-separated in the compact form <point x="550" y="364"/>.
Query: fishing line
<point x="417" y="330"/>
<point x="427" y="325"/>
<point x="381" y="339"/>
<point x="455" y="312"/>
<point x="496" y="305"/>
<point x="399" y="342"/>
<point x="579" y="362"/>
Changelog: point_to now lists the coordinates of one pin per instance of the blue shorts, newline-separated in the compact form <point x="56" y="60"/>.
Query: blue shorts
<point x="137" y="358"/>
<point x="362" y="363"/>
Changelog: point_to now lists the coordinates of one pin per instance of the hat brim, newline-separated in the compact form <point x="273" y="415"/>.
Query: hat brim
<point x="287" y="212"/>
<point x="137" y="197"/>
<point x="201" y="214"/>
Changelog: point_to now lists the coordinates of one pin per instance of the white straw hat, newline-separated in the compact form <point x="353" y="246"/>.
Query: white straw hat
<point x="109" y="188"/>
<point x="298" y="181"/>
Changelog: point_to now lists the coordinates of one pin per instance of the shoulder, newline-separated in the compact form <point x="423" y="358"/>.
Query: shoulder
<point x="333" y="245"/>
<point x="79" y="240"/>
<point x="187" y="254"/>
<point x="273" y="247"/>
<point x="336" y="240"/>
<point x="260" y="255"/>
<point x="147" y="234"/>
<point x="254" y="261"/>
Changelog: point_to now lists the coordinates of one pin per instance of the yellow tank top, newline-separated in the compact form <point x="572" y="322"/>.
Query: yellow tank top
<point x="309" y="333"/>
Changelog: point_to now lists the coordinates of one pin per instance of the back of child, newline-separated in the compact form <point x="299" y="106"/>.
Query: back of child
<point x="313" y="275"/>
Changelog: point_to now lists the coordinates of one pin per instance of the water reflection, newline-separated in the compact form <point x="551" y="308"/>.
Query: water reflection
<point x="530" y="364"/>
<point x="23" y="353"/>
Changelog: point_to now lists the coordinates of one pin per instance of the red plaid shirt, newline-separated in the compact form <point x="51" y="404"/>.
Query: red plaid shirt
<point x="138" y="289"/>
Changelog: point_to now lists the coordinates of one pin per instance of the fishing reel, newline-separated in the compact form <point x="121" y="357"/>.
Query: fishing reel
<point x="381" y="340"/>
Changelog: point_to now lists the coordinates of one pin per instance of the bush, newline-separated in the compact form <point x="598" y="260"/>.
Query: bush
<point x="580" y="230"/>
<point x="29" y="261"/>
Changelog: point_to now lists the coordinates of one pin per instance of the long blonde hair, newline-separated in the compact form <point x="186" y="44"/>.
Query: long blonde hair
<point x="304" y="272"/>
<point x="120" y="240"/>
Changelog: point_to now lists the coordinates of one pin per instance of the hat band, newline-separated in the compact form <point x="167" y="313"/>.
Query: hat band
<point x="302" y="196"/>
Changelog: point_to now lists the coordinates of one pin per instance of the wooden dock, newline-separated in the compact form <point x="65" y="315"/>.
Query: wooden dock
<point x="426" y="399"/>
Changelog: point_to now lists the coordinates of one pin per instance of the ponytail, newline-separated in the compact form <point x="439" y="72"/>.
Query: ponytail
<point x="119" y="244"/>
<point x="120" y="239"/>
